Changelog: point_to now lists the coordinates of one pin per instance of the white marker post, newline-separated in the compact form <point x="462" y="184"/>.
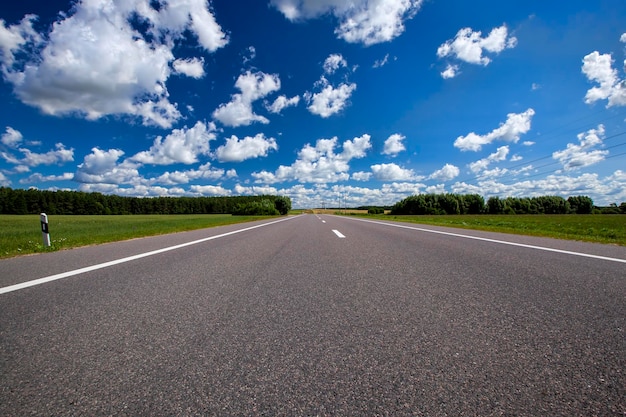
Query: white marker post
<point x="44" y="230"/>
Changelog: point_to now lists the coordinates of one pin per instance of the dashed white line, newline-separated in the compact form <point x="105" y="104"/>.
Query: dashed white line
<point x="338" y="233"/>
<point x="127" y="259"/>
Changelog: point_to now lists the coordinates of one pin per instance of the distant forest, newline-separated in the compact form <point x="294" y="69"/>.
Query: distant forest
<point x="32" y="201"/>
<point x="19" y="201"/>
<point x="475" y="204"/>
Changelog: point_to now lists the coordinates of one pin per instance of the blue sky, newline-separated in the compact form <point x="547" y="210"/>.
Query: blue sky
<point x="325" y="102"/>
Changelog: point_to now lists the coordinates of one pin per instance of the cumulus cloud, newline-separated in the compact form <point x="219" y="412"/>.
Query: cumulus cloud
<point x="210" y="190"/>
<point x="101" y="167"/>
<point x="281" y="103"/>
<point x="181" y="146"/>
<point x="37" y="177"/>
<point x="470" y="47"/>
<point x="482" y="164"/>
<point x="236" y="150"/>
<point x="330" y="100"/>
<point x="334" y="62"/>
<point x="319" y="163"/>
<point x="598" y="68"/>
<point x="394" y="145"/>
<point x="238" y="112"/>
<point x="583" y="154"/>
<point x="255" y="190"/>
<point x="191" y="67"/>
<point x="205" y="172"/>
<point x="361" y="176"/>
<point x="11" y="138"/>
<point x="29" y="159"/>
<point x="451" y="71"/>
<point x="96" y="62"/>
<point x="392" y="172"/>
<point x="603" y="191"/>
<point x="361" y="21"/>
<point x="516" y="125"/>
<point x="4" y="181"/>
<point x="14" y="37"/>
<point x="446" y="173"/>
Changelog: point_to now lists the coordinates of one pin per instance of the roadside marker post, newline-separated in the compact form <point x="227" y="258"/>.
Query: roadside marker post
<point x="45" y="234"/>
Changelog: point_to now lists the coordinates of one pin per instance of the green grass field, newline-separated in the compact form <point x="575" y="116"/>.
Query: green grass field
<point x="21" y="235"/>
<point x="609" y="229"/>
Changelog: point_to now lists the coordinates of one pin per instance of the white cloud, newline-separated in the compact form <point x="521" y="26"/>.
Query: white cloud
<point x="95" y="63"/>
<point x="482" y="164"/>
<point x="392" y="172"/>
<point x="13" y="37"/>
<point x="394" y="145"/>
<point x="603" y="191"/>
<point x="181" y="146"/>
<point x="236" y="150"/>
<point x="191" y="67"/>
<point x="583" y="154"/>
<point x="516" y="124"/>
<point x="361" y="21"/>
<point x="249" y="54"/>
<point x="381" y="62"/>
<point x="446" y="173"/>
<point x="361" y="176"/>
<point x="211" y="190"/>
<point x="37" y="178"/>
<point x="29" y="159"/>
<point x="469" y="46"/>
<point x="101" y="167"/>
<point x="4" y="181"/>
<point x="281" y="103"/>
<point x="451" y="71"/>
<point x="356" y="148"/>
<point x="238" y="112"/>
<point x="255" y="190"/>
<point x="11" y="138"/>
<point x="334" y="62"/>
<point x="598" y="68"/>
<point x="184" y="177"/>
<point x="319" y="163"/>
<point x="330" y="100"/>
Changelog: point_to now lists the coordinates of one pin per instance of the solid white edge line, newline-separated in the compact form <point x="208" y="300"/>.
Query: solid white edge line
<point x="62" y="275"/>
<point x="502" y="242"/>
<point x="338" y="233"/>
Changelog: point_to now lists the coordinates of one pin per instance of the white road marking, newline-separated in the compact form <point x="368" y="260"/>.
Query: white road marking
<point x="501" y="242"/>
<point x="323" y="221"/>
<point x="56" y="277"/>
<point x="338" y="233"/>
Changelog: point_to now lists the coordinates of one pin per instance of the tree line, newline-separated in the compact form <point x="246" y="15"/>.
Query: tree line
<point x="475" y="204"/>
<point x="32" y="201"/>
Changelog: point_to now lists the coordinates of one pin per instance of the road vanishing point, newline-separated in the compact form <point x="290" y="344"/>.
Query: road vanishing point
<point x="316" y="315"/>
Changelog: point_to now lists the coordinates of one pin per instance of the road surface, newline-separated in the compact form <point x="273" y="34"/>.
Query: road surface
<point x="316" y="315"/>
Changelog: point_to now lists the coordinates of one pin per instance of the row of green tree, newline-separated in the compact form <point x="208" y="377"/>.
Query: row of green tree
<point x="32" y="201"/>
<point x="475" y="204"/>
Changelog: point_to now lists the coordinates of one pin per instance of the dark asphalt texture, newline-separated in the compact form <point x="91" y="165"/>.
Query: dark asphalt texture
<point x="290" y="320"/>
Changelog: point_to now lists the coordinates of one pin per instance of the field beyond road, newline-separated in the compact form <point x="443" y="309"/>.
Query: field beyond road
<point x="596" y="228"/>
<point x="20" y="235"/>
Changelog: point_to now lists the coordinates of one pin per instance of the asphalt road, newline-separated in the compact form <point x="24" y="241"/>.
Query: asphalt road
<point x="317" y="315"/>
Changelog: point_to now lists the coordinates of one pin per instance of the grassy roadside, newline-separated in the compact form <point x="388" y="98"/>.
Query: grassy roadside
<point x="20" y="235"/>
<point x="608" y="229"/>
